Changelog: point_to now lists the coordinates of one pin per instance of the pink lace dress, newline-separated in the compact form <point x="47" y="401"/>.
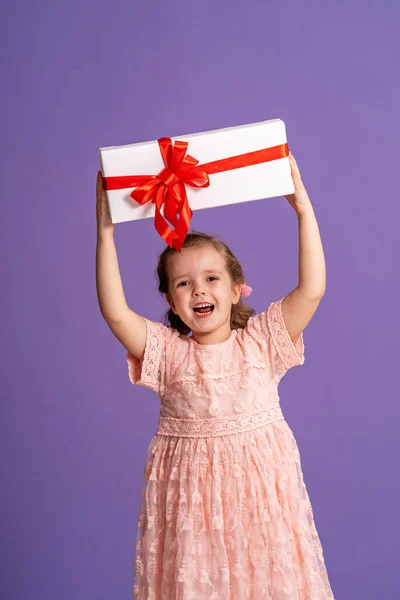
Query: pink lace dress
<point x="224" y="511"/>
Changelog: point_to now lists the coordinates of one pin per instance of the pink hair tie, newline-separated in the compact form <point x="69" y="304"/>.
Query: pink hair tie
<point x="246" y="290"/>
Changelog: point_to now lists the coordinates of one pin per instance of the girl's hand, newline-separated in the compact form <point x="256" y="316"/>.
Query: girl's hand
<point x="299" y="200"/>
<point x="104" y="223"/>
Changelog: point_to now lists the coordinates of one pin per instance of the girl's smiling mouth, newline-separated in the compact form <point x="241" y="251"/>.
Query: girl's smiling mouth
<point x="203" y="309"/>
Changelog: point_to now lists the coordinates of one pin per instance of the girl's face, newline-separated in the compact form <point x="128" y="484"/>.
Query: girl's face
<point x="201" y="292"/>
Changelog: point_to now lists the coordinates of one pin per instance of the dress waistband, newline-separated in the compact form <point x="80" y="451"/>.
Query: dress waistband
<point x="217" y="427"/>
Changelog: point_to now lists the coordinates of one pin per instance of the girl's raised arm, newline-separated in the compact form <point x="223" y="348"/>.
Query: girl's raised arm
<point x="299" y="306"/>
<point x="128" y="327"/>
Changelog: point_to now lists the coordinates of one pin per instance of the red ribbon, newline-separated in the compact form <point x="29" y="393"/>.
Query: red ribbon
<point x="168" y="187"/>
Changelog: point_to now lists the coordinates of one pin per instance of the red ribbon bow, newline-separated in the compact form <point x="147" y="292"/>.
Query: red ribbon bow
<point x="168" y="187"/>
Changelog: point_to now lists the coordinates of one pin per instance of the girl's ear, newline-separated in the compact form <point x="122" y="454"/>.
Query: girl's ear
<point x="237" y="290"/>
<point x="171" y="303"/>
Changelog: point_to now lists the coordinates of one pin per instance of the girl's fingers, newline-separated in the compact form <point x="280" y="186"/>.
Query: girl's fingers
<point x="292" y="159"/>
<point x="99" y="181"/>
<point x="293" y="164"/>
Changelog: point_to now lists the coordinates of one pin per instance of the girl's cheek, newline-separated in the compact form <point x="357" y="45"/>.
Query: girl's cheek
<point x="180" y="293"/>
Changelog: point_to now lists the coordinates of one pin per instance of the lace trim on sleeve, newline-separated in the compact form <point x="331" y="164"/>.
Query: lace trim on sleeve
<point x="290" y="352"/>
<point x="147" y="371"/>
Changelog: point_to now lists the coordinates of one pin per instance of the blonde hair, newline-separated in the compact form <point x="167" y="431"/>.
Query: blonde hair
<point x="240" y="312"/>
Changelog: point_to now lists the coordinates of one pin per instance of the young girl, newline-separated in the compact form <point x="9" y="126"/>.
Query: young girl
<point x="224" y="510"/>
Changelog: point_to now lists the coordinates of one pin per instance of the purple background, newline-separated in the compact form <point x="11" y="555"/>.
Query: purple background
<point x="80" y="75"/>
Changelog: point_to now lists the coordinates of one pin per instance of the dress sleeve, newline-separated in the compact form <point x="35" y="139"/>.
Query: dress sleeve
<point x="269" y="330"/>
<point x="151" y="371"/>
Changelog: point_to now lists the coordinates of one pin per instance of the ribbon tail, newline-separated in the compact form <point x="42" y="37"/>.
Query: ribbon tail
<point x="171" y="207"/>
<point x="161" y="225"/>
<point x="183" y="224"/>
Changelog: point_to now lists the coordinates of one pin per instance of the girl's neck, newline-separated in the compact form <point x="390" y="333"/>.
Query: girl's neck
<point x="210" y="338"/>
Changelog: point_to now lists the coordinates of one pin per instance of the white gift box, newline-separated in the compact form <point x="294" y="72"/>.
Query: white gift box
<point x="255" y="182"/>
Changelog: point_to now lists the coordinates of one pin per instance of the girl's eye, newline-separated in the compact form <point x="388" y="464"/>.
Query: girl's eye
<point x="185" y="283"/>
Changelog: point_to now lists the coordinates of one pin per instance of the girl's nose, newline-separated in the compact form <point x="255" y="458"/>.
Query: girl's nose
<point x="198" y="291"/>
